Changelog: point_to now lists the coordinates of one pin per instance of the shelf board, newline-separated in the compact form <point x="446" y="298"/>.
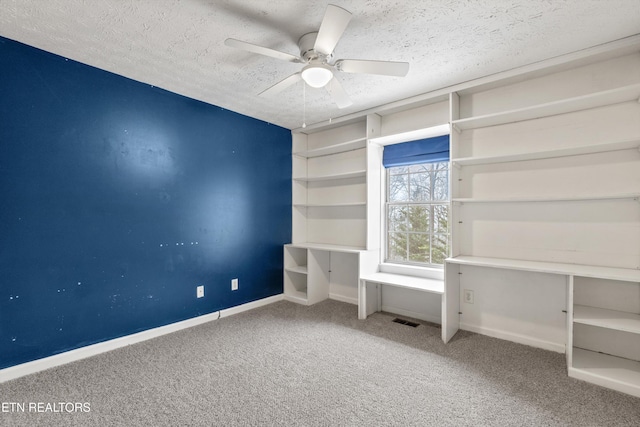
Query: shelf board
<point x="611" y="319"/>
<point x="612" y="273"/>
<point x="301" y="269"/>
<point x="334" y="149"/>
<point x="405" y="281"/>
<point x="354" y="174"/>
<point x="297" y="297"/>
<point x="329" y="205"/>
<point x="549" y="154"/>
<point x="606" y="370"/>
<point x="584" y="102"/>
<point x="627" y="196"/>
<point x="328" y="247"/>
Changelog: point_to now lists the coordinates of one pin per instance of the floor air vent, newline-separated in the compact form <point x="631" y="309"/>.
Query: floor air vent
<point x="406" y="322"/>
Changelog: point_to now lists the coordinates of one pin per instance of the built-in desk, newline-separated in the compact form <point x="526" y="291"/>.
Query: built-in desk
<point x="370" y="291"/>
<point x="603" y="316"/>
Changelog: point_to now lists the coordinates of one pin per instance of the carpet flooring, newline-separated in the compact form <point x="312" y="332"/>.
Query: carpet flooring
<point x="291" y="365"/>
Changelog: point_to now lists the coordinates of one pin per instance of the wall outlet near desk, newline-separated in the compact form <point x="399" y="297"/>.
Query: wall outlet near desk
<point x="234" y="284"/>
<point x="468" y="296"/>
<point x="200" y="291"/>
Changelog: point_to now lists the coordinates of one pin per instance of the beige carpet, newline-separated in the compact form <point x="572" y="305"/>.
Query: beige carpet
<point x="291" y="365"/>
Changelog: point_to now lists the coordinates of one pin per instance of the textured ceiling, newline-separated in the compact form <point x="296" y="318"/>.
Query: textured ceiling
<point x="179" y="45"/>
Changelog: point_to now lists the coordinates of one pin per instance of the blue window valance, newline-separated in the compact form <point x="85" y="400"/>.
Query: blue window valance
<point x="428" y="150"/>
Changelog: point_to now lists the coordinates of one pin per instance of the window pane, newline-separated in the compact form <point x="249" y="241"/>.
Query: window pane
<point x="397" y="219"/>
<point x="398" y="188"/>
<point x="418" y="218"/>
<point x="397" y="170"/>
<point x="440" y="219"/>
<point x="418" y="228"/>
<point x="419" y="247"/>
<point x="397" y="247"/>
<point x="441" y="184"/>
<point x="440" y="248"/>
<point x="425" y="167"/>
<point x="420" y="187"/>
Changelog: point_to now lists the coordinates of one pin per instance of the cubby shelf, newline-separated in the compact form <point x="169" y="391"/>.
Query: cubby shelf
<point x="584" y="102"/>
<point x="549" y="154"/>
<point x="604" y="369"/>
<point x="301" y="269"/>
<point x="604" y="318"/>
<point x="334" y="149"/>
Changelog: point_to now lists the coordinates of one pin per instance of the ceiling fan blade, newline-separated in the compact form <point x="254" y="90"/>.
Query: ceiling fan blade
<point x="385" y="68"/>
<point x="249" y="47"/>
<point x="338" y="94"/>
<point x="281" y="85"/>
<point x="333" y="25"/>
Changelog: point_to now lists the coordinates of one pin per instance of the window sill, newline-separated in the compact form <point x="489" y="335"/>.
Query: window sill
<point x="412" y="270"/>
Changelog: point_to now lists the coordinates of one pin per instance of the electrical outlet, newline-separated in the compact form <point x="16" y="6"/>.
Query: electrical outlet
<point x="468" y="296"/>
<point x="200" y="291"/>
<point x="234" y="284"/>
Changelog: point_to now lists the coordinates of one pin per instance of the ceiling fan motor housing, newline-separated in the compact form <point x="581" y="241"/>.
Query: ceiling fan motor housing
<point x="306" y="44"/>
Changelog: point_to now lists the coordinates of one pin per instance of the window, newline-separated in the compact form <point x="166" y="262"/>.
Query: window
<point x="417" y="214"/>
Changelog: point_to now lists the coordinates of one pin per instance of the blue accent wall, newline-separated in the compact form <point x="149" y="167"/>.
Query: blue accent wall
<point x="117" y="199"/>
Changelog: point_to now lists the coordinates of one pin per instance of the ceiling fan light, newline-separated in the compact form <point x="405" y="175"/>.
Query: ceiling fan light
<point x="316" y="75"/>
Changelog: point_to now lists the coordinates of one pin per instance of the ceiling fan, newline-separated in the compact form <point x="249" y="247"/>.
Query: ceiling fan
<point x="316" y="52"/>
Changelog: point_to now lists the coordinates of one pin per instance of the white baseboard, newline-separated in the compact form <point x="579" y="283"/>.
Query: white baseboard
<point x="603" y="381"/>
<point x="342" y="298"/>
<point x="34" y="366"/>
<point x="413" y="314"/>
<point x="511" y="336"/>
<point x="297" y="300"/>
<point x="250" y="305"/>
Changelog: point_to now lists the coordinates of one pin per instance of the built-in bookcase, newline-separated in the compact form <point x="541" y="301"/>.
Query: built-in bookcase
<point x="546" y="184"/>
<point x="329" y="187"/>
<point x="604" y="344"/>
<point x="544" y="217"/>
<point x="331" y="201"/>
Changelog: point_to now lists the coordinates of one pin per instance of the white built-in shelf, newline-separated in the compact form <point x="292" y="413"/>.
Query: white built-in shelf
<point x="584" y="102"/>
<point x="612" y="273"/>
<point x="335" y="148"/>
<point x="301" y="269"/>
<point x="328" y="247"/>
<point x="403" y="281"/>
<point x="353" y="174"/>
<point x="549" y="154"/>
<point x="329" y="205"/>
<point x="626" y="196"/>
<point x="299" y="297"/>
<point x="611" y="319"/>
<point x="603" y="369"/>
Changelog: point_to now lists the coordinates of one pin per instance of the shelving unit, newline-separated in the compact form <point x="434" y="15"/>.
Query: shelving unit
<point x="329" y="208"/>
<point x="544" y="215"/>
<point x="604" y="344"/>
<point x="561" y="217"/>
<point x="295" y="273"/>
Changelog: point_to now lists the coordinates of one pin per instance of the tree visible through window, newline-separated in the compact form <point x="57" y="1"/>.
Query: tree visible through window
<point x="418" y="213"/>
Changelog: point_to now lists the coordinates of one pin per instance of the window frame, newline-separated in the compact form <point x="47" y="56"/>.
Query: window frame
<point x="431" y="233"/>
